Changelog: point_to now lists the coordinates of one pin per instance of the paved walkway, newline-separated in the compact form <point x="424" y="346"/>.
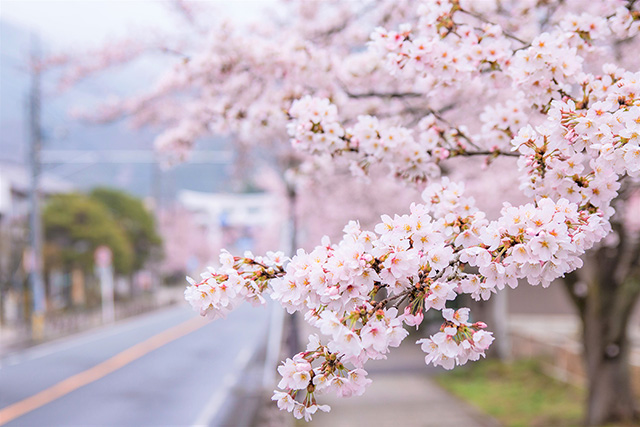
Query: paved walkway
<point x="399" y="400"/>
<point x="402" y="394"/>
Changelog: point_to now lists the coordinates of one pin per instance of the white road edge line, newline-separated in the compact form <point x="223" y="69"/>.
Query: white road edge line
<point x="229" y="381"/>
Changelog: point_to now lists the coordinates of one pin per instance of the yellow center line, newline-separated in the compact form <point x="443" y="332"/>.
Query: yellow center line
<point x="110" y="365"/>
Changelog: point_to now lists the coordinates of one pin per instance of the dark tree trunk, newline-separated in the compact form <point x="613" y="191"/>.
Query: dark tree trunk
<point x="605" y="291"/>
<point x="606" y="349"/>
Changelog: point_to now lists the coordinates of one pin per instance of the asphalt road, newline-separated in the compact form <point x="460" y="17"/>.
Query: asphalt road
<point x="164" y="368"/>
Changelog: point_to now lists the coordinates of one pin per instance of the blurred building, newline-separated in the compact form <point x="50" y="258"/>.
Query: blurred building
<point x="15" y="184"/>
<point x="15" y="181"/>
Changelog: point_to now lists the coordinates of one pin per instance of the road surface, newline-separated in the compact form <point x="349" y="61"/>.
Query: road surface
<point x="165" y="368"/>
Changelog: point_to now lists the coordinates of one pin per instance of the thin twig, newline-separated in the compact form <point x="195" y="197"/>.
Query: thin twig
<point x="485" y="20"/>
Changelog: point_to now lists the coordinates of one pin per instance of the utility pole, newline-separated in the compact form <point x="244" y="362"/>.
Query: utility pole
<point x="35" y="263"/>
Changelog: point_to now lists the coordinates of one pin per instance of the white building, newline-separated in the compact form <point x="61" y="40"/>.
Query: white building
<point x="15" y="184"/>
<point x="201" y="224"/>
<point x="231" y="219"/>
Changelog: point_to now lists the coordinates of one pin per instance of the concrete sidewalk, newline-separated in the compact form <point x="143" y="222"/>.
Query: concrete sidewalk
<point x="402" y="394"/>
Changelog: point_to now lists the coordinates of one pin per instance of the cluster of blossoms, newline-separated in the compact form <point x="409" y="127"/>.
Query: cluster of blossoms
<point x="315" y="129"/>
<point x="238" y="279"/>
<point x="331" y="375"/>
<point x="232" y="73"/>
<point x="412" y="257"/>
<point x="361" y="292"/>
<point x="540" y="242"/>
<point x="546" y="68"/>
<point x="625" y="23"/>
<point x="586" y="145"/>
<point x="501" y="121"/>
<point x="458" y="340"/>
<point x="436" y="60"/>
<point x="454" y="45"/>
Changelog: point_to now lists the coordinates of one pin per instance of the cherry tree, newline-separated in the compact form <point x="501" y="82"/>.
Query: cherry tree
<point x="539" y="93"/>
<point x="575" y="135"/>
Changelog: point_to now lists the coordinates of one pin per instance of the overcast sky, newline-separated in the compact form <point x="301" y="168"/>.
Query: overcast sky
<point x="68" y="24"/>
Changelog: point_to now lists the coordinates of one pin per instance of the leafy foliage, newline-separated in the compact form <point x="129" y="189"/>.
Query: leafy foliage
<point x="76" y="224"/>
<point x="137" y="222"/>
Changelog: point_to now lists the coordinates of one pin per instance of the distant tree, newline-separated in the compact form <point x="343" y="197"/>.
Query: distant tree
<point x="75" y="225"/>
<point x="137" y="222"/>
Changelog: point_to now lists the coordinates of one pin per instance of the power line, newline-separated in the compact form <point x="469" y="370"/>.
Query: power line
<point x="129" y="157"/>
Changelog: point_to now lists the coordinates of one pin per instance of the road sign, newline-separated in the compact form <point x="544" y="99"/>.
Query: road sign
<point x="103" y="258"/>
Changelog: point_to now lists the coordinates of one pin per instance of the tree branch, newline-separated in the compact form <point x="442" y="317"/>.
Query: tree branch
<point x="383" y="94"/>
<point x="488" y="153"/>
<point x="485" y="20"/>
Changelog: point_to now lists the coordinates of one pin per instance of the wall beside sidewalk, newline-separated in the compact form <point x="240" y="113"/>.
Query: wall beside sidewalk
<point x="58" y="325"/>
<point x="556" y="340"/>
